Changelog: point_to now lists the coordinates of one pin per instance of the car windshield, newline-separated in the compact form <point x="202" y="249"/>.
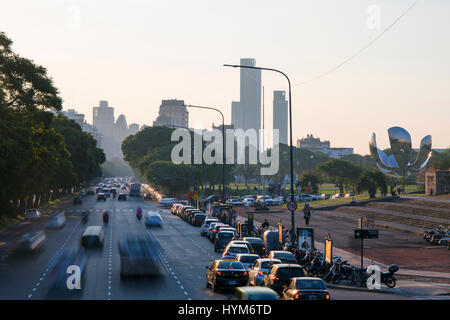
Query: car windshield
<point x="283" y="255"/>
<point x="230" y="265"/>
<point x="290" y="272"/>
<point x="309" y="284"/>
<point x="248" y="259"/>
<point x="268" y="264"/>
<point x="225" y="235"/>
<point x="238" y="249"/>
<point x="255" y="241"/>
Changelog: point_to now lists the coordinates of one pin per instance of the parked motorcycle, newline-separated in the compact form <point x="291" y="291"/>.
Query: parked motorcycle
<point x="388" y="278"/>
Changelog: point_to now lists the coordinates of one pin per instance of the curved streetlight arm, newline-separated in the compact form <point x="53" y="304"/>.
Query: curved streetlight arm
<point x="290" y="131"/>
<point x="223" y="141"/>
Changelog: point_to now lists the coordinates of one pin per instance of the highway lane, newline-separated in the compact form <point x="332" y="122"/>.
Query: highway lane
<point x="184" y="256"/>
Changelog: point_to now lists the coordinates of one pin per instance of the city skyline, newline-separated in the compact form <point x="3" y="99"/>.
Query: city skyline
<point x="402" y="79"/>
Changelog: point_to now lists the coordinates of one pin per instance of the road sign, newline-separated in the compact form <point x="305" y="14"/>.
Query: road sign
<point x="292" y="206"/>
<point x="195" y="196"/>
<point x="366" y="234"/>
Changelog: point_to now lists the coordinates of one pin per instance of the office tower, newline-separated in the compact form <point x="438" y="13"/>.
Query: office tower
<point x="103" y="121"/>
<point x="280" y="115"/>
<point x="246" y="113"/>
<point x="172" y="112"/>
<point x="133" y="128"/>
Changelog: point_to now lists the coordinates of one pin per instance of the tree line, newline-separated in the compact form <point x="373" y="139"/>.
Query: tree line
<point x="43" y="154"/>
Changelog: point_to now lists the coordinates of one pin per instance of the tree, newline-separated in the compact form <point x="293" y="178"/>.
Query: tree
<point x="443" y="163"/>
<point x="307" y="180"/>
<point x="341" y="173"/>
<point x="371" y="181"/>
<point x="247" y="171"/>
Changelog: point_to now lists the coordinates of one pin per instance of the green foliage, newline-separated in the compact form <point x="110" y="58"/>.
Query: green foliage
<point x="307" y="179"/>
<point x="39" y="151"/>
<point x="371" y="181"/>
<point x="441" y="161"/>
<point x="341" y="173"/>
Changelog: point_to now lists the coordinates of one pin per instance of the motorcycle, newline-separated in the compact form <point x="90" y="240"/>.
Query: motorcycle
<point x="105" y="218"/>
<point x="388" y="278"/>
<point x="139" y="216"/>
<point x="84" y="220"/>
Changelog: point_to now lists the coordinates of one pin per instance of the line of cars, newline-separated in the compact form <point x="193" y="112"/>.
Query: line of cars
<point x="248" y="267"/>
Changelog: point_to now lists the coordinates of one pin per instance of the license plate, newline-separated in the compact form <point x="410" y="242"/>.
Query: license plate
<point x="312" y="297"/>
<point x="232" y="282"/>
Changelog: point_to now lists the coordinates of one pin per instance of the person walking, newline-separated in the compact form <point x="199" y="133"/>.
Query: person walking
<point x="307" y="213"/>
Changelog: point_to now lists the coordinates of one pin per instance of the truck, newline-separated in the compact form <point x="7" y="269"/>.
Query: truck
<point x="135" y="190"/>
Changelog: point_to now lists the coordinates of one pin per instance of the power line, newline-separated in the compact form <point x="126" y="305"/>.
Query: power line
<point x="324" y="74"/>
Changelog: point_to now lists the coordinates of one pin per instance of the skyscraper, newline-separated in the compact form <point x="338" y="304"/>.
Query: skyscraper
<point x="280" y="115"/>
<point x="172" y="112"/>
<point x="246" y="113"/>
<point x="103" y="121"/>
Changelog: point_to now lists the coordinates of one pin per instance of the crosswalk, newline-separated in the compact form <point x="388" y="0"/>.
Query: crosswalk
<point x="125" y="211"/>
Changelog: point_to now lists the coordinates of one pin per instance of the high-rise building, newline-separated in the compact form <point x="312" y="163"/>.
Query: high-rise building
<point x="280" y="115"/>
<point x="172" y="112"/>
<point x="133" y="128"/>
<point x="103" y="121"/>
<point x="246" y="113"/>
<point x="72" y="114"/>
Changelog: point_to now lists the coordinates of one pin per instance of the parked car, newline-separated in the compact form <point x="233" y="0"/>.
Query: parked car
<point x="232" y="250"/>
<point x="139" y="255"/>
<point x="337" y="196"/>
<point x="206" y="224"/>
<point x="254" y="293"/>
<point x="305" y="288"/>
<point x="153" y="219"/>
<point x="279" y="275"/>
<point x="198" y="218"/>
<point x="245" y="243"/>
<point x="122" y="197"/>
<point x="284" y="256"/>
<point x="223" y="238"/>
<point x="326" y="196"/>
<point x="248" y="202"/>
<point x="257" y="245"/>
<point x="259" y="270"/>
<point x="247" y="259"/>
<point x="32" y="214"/>
<point x="235" y="202"/>
<point x="267" y="200"/>
<point x="226" y="273"/>
<point x="280" y="200"/>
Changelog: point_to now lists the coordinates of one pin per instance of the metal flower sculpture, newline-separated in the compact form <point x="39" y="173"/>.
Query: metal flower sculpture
<point x="400" y="162"/>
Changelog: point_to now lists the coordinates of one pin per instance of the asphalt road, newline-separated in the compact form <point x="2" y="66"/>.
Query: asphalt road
<point x="184" y="255"/>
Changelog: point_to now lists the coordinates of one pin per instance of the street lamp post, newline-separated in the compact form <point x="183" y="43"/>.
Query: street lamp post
<point x="223" y="143"/>
<point x="291" y="150"/>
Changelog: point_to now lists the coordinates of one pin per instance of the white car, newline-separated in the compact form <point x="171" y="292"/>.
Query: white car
<point x="337" y="196"/>
<point x="206" y="224"/>
<point x="232" y="250"/>
<point x="167" y="202"/>
<point x="248" y="260"/>
<point x="248" y="202"/>
<point x="57" y="221"/>
<point x="32" y="214"/>
<point x="153" y="219"/>
<point x="279" y="200"/>
<point x="234" y="202"/>
<point x="259" y="270"/>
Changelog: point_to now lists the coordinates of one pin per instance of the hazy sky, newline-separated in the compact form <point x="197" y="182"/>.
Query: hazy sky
<point x="136" y="53"/>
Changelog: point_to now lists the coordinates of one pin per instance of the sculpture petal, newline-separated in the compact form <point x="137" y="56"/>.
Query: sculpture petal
<point x="424" y="154"/>
<point x="401" y="147"/>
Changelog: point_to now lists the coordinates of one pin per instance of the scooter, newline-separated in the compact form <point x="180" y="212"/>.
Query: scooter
<point x="105" y="218"/>
<point x="388" y="278"/>
<point x="139" y="216"/>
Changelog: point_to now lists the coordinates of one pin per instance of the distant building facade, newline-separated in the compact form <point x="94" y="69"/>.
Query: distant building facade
<point x="79" y="118"/>
<point x="437" y="182"/>
<point x="316" y="145"/>
<point x="280" y="115"/>
<point x="172" y="112"/>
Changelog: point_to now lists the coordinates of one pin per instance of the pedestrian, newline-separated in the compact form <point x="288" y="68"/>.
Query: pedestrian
<point x="307" y="213"/>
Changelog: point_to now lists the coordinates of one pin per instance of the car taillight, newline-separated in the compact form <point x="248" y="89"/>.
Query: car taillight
<point x="219" y="273"/>
<point x="327" y="296"/>
<point x="226" y="254"/>
<point x="260" y="274"/>
<point x="297" y="296"/>
<point x="245" y="273"/>
<point x="276" y="279"/>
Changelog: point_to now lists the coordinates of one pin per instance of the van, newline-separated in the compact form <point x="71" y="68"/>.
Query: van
<point x="92" y="237"/>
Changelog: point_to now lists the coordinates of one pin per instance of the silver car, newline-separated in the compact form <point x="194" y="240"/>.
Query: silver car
<point x="259" y="270"/>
